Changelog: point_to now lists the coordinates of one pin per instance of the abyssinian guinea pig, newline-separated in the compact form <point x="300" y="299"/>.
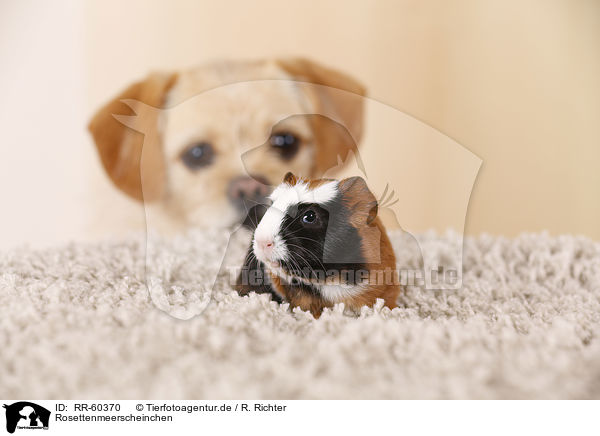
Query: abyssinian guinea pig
<point x="319" y="243"/>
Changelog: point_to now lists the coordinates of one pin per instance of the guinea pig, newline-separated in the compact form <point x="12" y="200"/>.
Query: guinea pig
<point x="319" y="243"/>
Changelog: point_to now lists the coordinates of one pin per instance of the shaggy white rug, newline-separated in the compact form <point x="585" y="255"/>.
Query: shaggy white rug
<point x="78" y="322"/>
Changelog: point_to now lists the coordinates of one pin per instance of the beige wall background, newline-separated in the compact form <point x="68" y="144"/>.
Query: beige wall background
<point x="515" y="82"/>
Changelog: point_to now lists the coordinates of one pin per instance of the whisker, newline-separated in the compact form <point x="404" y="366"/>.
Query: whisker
<point x="311" y="254"/>
<point x="384" y="192"/>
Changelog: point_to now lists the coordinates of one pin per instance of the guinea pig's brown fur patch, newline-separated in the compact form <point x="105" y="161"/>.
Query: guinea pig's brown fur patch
<point x="297" y="298"/>
<point x="376" y="246"/>
<point x="291" y="180"/>
<point x="385" y="266"/>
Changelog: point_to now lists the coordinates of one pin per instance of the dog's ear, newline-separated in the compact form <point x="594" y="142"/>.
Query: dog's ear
<point x="338" y="105"/>
<point x="124" y="127"/>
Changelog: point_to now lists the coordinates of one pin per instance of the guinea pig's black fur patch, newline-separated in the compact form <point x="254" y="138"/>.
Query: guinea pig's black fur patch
<point x="331" y="244"/>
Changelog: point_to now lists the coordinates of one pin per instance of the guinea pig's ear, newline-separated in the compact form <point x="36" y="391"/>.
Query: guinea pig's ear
<point x="125" y="125"/>
<point x="290" y="179"/>
<point x="337" y="103"/>
<point x="374" y="208"/>
<point x="361" y="202"/>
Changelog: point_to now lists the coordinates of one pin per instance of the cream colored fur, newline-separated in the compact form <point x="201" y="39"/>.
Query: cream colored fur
<point x="234" y="106"/>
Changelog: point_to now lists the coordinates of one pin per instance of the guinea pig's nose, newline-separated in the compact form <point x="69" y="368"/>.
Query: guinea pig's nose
<point x="265" y="245"/>
<point x="245" y="192"/>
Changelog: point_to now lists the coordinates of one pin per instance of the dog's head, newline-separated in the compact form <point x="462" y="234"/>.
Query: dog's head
<point x="176" y="140"/>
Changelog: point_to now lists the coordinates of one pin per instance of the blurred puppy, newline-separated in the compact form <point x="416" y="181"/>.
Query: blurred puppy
<point x="215" y="138"/>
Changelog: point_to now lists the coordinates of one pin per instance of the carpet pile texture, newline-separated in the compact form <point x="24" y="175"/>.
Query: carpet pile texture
<point x="78" y="321"/>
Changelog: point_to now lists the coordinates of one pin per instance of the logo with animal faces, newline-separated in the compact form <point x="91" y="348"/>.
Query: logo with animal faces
<point x="24" y="415"/>
<point x="418" y="177"/>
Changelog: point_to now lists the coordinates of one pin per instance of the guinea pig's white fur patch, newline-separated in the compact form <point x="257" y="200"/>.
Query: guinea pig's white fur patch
<point x="338" y="292"/>
<point x="283" y="197"/>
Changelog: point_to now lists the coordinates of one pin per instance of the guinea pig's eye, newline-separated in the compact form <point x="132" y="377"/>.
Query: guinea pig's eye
<point x="309" y="217"/>
<point x="285" y="143"/>
<point x="198" y="155"/>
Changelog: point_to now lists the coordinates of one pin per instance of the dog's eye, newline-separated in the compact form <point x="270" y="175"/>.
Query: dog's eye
<point x="285" y="143"/>
<point x="309" y="217"/>
<point x="198" y="155"/>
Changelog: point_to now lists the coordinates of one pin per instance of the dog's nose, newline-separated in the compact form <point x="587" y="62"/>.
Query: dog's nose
<point x="245" y="192"/>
